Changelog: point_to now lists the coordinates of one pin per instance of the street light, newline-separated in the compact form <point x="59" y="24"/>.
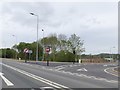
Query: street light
<point x="4" y="50"/>
<point x="111" y="56"/>
<point x="43" y="44"/>
<point x="37" y="35"/>
<point x="15" y="45"/>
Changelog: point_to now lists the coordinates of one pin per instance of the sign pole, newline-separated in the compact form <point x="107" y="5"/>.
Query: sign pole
<point x="47" y="59"/>
<point x="47" y="52"/>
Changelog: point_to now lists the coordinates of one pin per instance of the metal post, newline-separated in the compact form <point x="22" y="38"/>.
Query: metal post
<point x="29" y="56"/>
<point x="43" y="45"/>
<point x="37" y="35"/>
<point x="48" y="59"/>
<point x="5" y="50"/>
<point x="47" y="52"/>
<point x="74" y="55"/>
<point x="37" y="39"/>
<point x="111" y="54"/>
<point x="16" y="46"/>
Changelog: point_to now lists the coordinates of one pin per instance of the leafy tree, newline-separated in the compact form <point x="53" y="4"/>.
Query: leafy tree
<point x="62" y="42"/>
<point x="29" y="46"/>
<point x="64" y="56"/>
<point x="61" y="48"/>
<point x="8" y="53"/>
<point x="52" y="42"/>
<point x="75" y="44"/>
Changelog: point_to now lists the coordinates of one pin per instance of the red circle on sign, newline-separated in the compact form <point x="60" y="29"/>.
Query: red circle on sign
<point x="47" y="49"/>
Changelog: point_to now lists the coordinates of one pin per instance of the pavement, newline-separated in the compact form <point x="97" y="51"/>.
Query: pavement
<point x="63" y="76"/>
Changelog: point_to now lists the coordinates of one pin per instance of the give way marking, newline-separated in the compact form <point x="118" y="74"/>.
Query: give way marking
<point x="82" y="69"/>
<point x="6" y="80"/>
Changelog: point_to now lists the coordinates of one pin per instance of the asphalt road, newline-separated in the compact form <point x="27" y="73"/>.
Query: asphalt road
<point x="66" y="76"/>
<point x="97" y="70"/>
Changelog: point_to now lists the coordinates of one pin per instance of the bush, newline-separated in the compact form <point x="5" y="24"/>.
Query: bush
<point x="7" y="53"/>
<point x="63" y="56"/>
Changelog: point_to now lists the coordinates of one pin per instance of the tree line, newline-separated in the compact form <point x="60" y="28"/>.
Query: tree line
<point x="62" y="48"/>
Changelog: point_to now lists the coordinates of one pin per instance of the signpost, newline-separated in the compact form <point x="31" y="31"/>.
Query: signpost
<point x="30" y="52"/>
<point x="74" y="55"/>
<point x="27" y="51"/>
<point x="47" y="50"/>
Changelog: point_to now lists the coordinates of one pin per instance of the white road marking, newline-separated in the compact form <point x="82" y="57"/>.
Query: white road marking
<point x="82" y="69"/>
<point x="6" y="80"/>
<point x="93" y="77"/>
<point x="86" y="76"/>
<point x="105" y="70"/>
<point x="70" y="65"/>
<point x="47" y="88"/>
<point x="64" y="66"/>
<point x="61" y="68"/>
<point x="105" y="65"/>
<point x="51" y="83"/>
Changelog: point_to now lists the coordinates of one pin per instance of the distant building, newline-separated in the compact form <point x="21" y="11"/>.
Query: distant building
<point x="109" y="59"/>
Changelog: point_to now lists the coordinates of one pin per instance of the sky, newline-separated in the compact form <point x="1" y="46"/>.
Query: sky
<point x="94" y="22"/>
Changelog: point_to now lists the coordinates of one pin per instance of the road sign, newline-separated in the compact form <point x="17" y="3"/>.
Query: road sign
<point x="30" y="51"/>
<point x="47" y="49"/>
<point x="47" y="52"/>
<point x="26" y="50"/>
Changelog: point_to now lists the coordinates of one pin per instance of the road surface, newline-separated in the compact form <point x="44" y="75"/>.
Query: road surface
<point x="61" y="77"/>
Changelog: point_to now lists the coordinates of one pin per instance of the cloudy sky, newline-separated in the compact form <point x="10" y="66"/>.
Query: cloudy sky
<point x="95" y="22"/>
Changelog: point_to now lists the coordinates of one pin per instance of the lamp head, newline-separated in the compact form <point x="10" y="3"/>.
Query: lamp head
<point x="32" y="13"/>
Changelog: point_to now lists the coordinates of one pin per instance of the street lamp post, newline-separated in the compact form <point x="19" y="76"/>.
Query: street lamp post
<point x="43" y="45"/>
<point x="15" y="45"/>
<point x="111" y="56"/>
<point x="37" y="35"/>
<point x="4" y="50"/>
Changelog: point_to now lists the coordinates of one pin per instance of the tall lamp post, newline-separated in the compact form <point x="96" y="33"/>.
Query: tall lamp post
<point x="15" y="46"/>
<point x="111" y="56"/>
<point x="37" y="35"/>
<point x="43" y="45"/>
<point x="4" y="50"/>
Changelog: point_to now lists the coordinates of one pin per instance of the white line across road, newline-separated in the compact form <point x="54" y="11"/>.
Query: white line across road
<point x="6" y="80"/>
<point x="51" y="83"/>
